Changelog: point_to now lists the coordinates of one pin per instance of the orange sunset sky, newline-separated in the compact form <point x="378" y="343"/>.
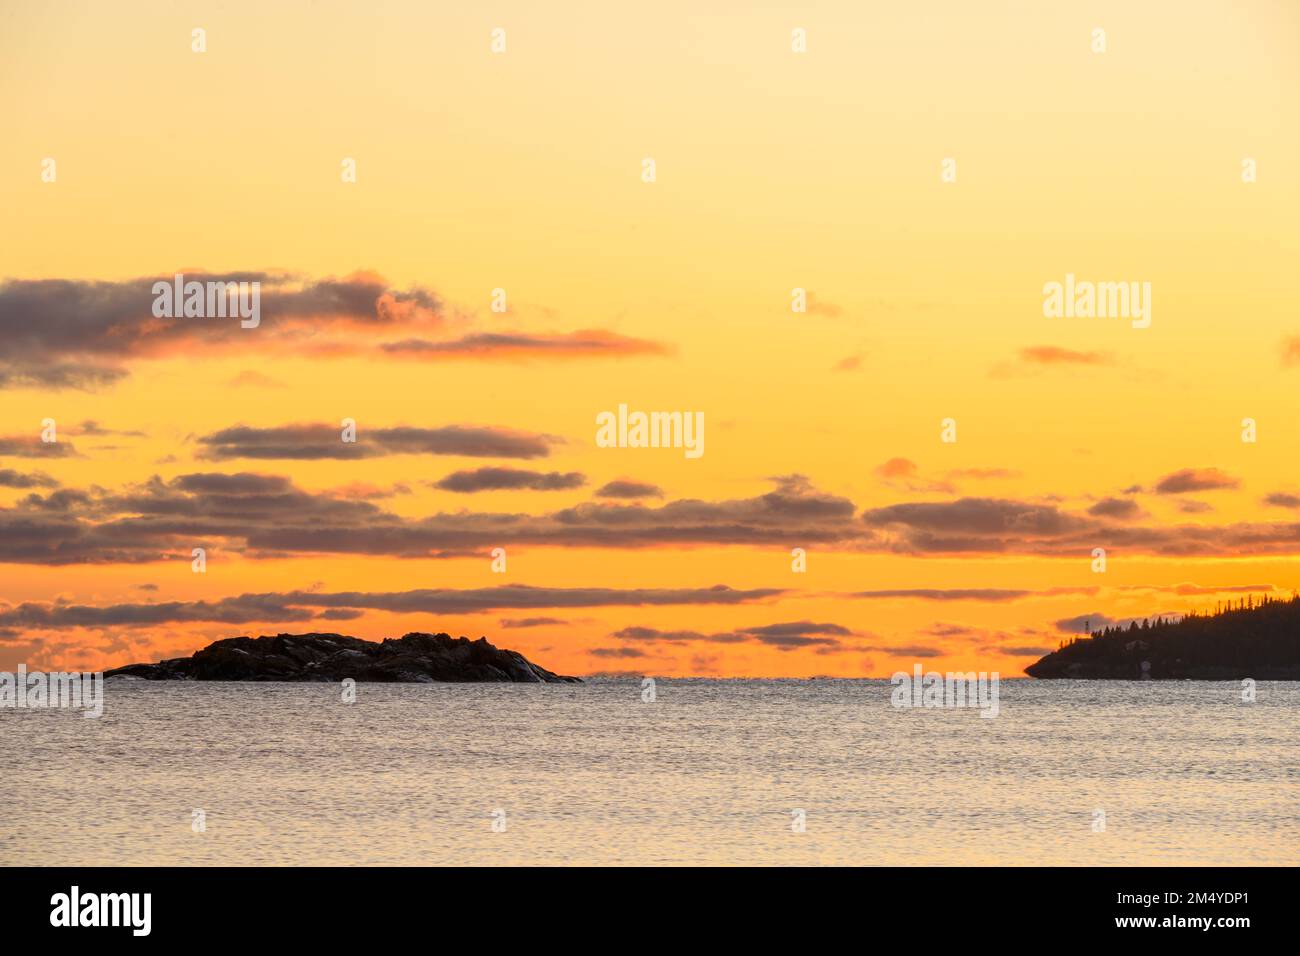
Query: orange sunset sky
<point x="522" y="170"/>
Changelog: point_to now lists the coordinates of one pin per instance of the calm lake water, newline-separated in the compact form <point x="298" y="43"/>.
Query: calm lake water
<point x="710" y="772"/>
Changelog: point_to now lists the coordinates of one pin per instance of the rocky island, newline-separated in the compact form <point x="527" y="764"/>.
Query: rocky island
<point x="413" y="658"/>
<point x="1255" y="639"/>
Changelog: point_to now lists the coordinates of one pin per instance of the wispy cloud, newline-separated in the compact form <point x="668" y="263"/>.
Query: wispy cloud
<point x="588" y="343"/>
<point x="16" y="479"/>
<point x="531" y="622"/>
<point x="1195" y="479"/>
<point x="31" y="446"/>
<point x="71" y="333"/>
<point x="629" y="488"/>
<point x="789" y="635"/>
<point x="995" y="595"/>
<point x="293" y="606"/>
<point x="499" y="479"/>
<point x="310" y="441"/>
<point x="1054" y="355"/>
<point x="1124" y="509"/>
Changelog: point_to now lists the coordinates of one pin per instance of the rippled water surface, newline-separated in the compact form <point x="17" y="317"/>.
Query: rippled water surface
<point x="710" y="772"/>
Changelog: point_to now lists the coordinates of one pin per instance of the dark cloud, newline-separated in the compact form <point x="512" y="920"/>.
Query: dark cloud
<point x="340" y="614"/>
<point x="16" y="479"/>
<point x="1122" y="508"/>
<point x="497" y="479"/>
<point x="93" y="428"/>
<point x="797" y="629"/>
<point x="628" y="488"/>
<point x="1195" y="479"/>
<point x="68" y="333"/>
<point x="243" y="484"/>
<point x="776" y="518"/>
<point x="59" y="375"/>
<point x="902" y="650"/>
<point x="976" y="517"/>
<point x="522" y="596"/>
<point x="159" y="520"/>
<point x="267" y="516"/>
<point x="531" y="622"/>
<point x="1281" y="499"/>
<point x="638" y="633"/>
<point x="80" y="333"/>
<point x="244" y="609"/>
<point x="306" y="605"/>
<point x="65" y="499"/>
<point x="312" y="442"/>
<point x="31" y="446"/>
<point x="941" y="629"/>
<point x="996" y="526"/>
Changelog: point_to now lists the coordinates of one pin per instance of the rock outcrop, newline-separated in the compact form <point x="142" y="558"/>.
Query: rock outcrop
<point x="414" y="658"/>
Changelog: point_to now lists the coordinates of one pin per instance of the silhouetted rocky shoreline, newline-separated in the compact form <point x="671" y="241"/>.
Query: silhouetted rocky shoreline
<point x="413" y="658"/>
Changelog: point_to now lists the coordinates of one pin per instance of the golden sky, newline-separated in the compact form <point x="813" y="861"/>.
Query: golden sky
<point x="522" y="170"/>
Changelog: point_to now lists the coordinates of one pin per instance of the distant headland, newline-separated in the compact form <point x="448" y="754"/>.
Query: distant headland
<point x="414" y="658"/>
<point x="1256" y="639"/>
